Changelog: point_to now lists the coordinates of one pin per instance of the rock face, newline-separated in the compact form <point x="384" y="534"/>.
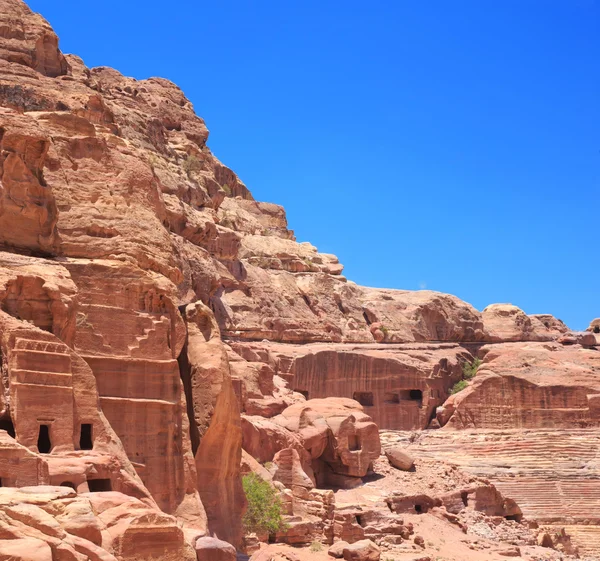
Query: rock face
<point x="530" y="385"/>
<point x="505" y="322"/>
<point x="161" y="332"/>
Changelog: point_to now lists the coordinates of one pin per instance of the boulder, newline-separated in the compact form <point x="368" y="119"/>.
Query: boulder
<point x="585" y="338"/>
<point x="213" y="549"/>
<point x="337" y="549"/>
<point x="353" y="443"/>
<point x="505" y="322"/>
<point x="400" y="458"/>
<point x="363" y="550"/>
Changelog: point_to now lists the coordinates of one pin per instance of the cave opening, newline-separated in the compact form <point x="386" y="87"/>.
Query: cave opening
<point x="419" y="509"/>
<point x="85" y="437"/>
<point x="68" y="484"/>
<point x="303" y="392"/>
<point x="8" y="426"/>
<point x="465" y="498"/>
<point x="515" y="517"/>
<point x="44" y="444"/>
<point x="99" y="485"/>
<point x="364" y="398"/>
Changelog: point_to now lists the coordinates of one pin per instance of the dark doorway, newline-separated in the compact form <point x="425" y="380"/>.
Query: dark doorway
<point x="85" y="438"/>
<point x="99" y="485"/>
<point x="364" y="398"/>
<point x="68" y="484"/>
<point x="7" y="425"/>
<point x="44" y="444"/>
<point x="416" y="395"/>
<point x="353" y="442"/>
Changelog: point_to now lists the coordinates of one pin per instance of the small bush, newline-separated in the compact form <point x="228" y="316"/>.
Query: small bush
<point x="315" y="547"/>
<point x="263" y="514"/>
<point x="469" y="369"/>
<point x="191" y="164"/>
<point x="227" y="189"/>
<point x="460" y="385"/>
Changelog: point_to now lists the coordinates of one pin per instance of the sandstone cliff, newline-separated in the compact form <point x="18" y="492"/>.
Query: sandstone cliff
<point x="161" y="331"/>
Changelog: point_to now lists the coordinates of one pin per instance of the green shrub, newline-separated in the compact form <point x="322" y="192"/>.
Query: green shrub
<point x="227" y="189"/>
<point x="469" y="369"/>
<point x="191" y="164"/>
<point x="315" y="547"/>
<point x="460" y="385"/>
<point x="263" y="514"/>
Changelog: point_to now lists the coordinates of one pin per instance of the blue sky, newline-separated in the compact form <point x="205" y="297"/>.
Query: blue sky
<point x="448" y="145"/>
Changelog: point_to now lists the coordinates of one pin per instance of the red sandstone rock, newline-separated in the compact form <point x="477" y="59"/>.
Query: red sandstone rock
<point x="212" y="549"/>
<point x="354" y="441"/>
<point x="337" y="549"/>
<point x="400" y="458"/>
<point x="205" y="371"/>
<point x="505" y="322"/>
<point x="116" y="381"/>
<point x="533" y="385"/>
<point x="399" y="386"/>
<point x="364" y="550"/>
<point x="584" y="338"/>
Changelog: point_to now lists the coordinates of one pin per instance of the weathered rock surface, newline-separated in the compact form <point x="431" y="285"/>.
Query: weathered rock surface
<point x="529" y="385"/>
<point x="505" y="322"/>
<point x="399" y="458"/>
<point x="49" y="523"/>
<point x="399" y="386"/>
<point x="363" y="550"/>
<point x="146" y="300"/>
<point x="212" y="549"/>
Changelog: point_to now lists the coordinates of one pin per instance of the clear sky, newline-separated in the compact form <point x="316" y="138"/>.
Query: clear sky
<point x="452" y="145"/>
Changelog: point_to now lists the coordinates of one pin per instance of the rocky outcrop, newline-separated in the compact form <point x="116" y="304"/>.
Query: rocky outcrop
<point x="505" y="322"/>
<point x="529" y="385"/>
<point x="215" y="418"/>
<point x="399" y="386"/>
<point x="155" y="319"/>
<point x="48" y="523"/>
